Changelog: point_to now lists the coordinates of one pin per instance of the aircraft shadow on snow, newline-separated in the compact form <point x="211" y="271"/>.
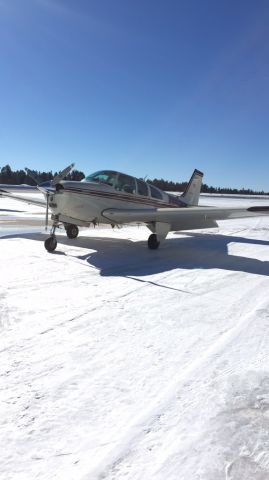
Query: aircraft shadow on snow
<point x="123" y="257"/>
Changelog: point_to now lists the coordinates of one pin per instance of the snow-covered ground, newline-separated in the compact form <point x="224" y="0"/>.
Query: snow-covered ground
<point x="118" y="362"/>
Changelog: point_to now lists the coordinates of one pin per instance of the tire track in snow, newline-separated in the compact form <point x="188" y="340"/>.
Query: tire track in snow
<point x="99" y="306"/>
<point x="144" y="423"/>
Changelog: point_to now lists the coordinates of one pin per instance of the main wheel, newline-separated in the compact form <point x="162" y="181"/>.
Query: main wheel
<point x="50" y="244"/>
<point x="153" y="242"/>
<point x="71" y="231"/>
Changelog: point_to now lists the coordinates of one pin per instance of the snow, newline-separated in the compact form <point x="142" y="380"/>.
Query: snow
<point x="118" y="362"/>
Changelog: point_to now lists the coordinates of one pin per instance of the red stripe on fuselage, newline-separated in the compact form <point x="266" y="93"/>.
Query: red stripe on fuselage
<point x="127" y="198"/>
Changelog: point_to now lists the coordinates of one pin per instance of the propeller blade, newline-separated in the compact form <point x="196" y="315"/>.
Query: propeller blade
<point x="62" y="174"/>
<point x="46" y="192"/>
<point x="48" y="187"/>
<point x="47" y="211"/>
<point x="32" y="175"/>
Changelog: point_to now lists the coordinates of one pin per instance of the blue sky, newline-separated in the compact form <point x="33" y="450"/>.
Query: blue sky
<point x="146" y="87"/>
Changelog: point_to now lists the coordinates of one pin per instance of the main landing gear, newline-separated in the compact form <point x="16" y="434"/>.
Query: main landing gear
<point x="153" y="243"/>
<point x="51" y="242"/>
<point x="71" y="231"/>
<point x="159" y="232"/>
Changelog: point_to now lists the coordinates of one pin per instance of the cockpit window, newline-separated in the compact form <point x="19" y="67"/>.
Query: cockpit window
<point x="155" y="192"/>
<point x="142" y="188"/>
<point x="126" y="183"/>
<point x="119" y="181"/>
<point x="104" y="176"/>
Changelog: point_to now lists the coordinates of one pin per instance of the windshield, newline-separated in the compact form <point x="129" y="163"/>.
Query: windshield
<point x="103" y="176"/>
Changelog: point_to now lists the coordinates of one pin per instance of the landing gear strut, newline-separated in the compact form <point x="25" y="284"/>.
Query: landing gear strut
<point x="153" y="243"/>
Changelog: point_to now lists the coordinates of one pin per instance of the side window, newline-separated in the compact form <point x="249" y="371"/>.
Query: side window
<point x="155" y="192"/>
<point x="142" y="188"/>
<point x="126" y="184"/>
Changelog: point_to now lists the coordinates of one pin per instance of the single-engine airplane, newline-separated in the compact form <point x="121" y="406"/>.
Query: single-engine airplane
<point x="115" y="198"/>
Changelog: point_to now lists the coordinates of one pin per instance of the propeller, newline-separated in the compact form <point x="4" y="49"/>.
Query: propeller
<point x="45" y="187"/>
<point x="56" y="178"/>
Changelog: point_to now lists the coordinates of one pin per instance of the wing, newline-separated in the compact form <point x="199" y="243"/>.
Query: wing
<point x="33" y="201"/>
<point x="183" y="218"/>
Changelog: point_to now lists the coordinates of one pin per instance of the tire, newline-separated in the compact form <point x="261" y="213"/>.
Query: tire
<point x="50" y="244"/>
<point x="71" y="231"/>
<point x="153" y="243"/>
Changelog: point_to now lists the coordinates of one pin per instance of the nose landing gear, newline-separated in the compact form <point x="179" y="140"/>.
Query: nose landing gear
<point x="51" y="242"/>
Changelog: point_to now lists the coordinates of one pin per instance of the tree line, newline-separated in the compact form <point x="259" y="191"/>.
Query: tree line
<point x="18" y="177"/>
<point x="180" y="187"/>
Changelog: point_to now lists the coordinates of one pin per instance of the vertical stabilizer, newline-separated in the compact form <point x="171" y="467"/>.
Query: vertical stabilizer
<point x="193" y="189"/>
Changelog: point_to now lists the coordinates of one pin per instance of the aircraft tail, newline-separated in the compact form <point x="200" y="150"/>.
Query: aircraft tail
<point x="193" y="189"/>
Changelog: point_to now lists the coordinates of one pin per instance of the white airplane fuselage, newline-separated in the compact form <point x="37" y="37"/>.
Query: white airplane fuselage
<point x="86" y="202"/>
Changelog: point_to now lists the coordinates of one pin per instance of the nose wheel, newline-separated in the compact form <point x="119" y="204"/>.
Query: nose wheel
<point x="50" y="243"/>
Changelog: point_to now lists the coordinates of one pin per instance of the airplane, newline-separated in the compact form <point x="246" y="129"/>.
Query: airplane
<point x="115" y="198"/>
